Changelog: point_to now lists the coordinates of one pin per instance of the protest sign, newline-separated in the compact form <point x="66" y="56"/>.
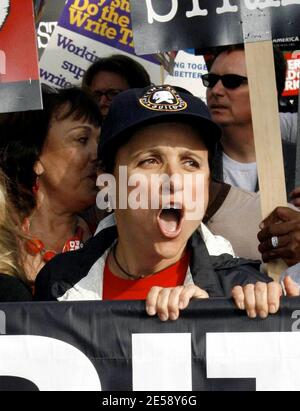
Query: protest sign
<point x="115" y="345"/>
<point x="49" y="18"/>
<point x="288" y="43"/>
<point x="87" y="30"/>
<point x="293" y="75"/>
<point x="19" y="75"/>
<point x="161" y="25"/>
<point x="187" y="73"/>
<point x="289" y="46"/>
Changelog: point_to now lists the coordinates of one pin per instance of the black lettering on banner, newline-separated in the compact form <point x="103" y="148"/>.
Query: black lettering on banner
<point x="68" y="44"/>
<point x="77" y="72"/>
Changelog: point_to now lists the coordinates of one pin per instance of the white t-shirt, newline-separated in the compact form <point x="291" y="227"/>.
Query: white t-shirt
<point x="293" y="272"/>
<point x="242" y="175"/>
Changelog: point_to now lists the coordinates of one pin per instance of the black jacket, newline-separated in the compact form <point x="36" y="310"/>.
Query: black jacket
<point x="13" y="290"/>
<point x="77" y="275"/>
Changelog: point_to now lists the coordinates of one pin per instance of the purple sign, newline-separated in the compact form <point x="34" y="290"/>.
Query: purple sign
<point x="106" y="21"/>
<point x="86" y="31"/>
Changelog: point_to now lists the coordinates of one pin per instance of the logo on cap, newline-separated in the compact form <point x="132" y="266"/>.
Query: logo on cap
<point x="4" y="11"/>
<point x="163" y="98"/>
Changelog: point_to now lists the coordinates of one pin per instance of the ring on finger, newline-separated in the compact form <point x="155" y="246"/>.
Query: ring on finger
<point x="275" y="241"/>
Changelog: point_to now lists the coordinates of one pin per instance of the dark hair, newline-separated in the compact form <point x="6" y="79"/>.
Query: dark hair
<point x="132" y="71"/>
<point x="23" y="135"/>
<point x="279" y="61"/>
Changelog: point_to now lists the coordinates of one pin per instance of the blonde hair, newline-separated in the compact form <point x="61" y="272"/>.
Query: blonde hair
<point x="9" y="249"/>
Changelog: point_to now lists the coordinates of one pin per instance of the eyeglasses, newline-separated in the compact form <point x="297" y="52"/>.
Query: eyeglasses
<point x="109" y="94"/>
<point x="230" y="81"/>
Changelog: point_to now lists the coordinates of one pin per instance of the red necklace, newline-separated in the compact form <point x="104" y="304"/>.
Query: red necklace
<point x="35" y="246"/>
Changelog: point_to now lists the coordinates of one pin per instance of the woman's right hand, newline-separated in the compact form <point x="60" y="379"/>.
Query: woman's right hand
<point x="167" y="302"/>
<point x="262" y="299"/>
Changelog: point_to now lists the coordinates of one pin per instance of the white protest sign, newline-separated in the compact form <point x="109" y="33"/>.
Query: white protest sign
<point x="87" y="30"/>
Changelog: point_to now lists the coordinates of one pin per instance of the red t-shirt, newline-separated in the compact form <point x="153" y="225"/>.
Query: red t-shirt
<point x="115" y="288"/>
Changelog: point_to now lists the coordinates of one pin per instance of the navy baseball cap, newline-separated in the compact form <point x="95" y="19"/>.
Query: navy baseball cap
<point x="135" y="108"/>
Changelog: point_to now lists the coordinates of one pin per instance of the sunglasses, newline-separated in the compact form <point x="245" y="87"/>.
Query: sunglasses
<point x="230" y="81"/>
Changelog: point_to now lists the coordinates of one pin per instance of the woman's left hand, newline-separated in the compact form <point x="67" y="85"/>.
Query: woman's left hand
<point x="262" y="299"/>
<point x="167" y="302"/>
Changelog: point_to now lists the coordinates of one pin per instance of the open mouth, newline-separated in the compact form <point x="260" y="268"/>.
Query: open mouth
<point x="170" y="220"/>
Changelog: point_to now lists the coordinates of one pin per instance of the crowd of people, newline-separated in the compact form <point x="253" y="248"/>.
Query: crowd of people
<point x="57" y="245"/>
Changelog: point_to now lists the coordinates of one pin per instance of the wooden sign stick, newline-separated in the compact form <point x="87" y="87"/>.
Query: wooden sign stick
<point x="266" y="128"/>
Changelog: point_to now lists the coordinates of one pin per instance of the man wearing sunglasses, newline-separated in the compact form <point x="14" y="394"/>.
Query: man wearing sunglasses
<point x="229" y="103"/>
<point x="235" y="163"/>
<point x="230" y="81"/>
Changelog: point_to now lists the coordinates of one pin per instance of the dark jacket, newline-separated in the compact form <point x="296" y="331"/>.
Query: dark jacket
<point x="289" y="158"/>
<point x="78" y="275"/>
<point x="13" y="290"/>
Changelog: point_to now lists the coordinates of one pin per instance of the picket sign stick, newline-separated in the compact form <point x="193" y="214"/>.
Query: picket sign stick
<point x="267" y="137"/>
